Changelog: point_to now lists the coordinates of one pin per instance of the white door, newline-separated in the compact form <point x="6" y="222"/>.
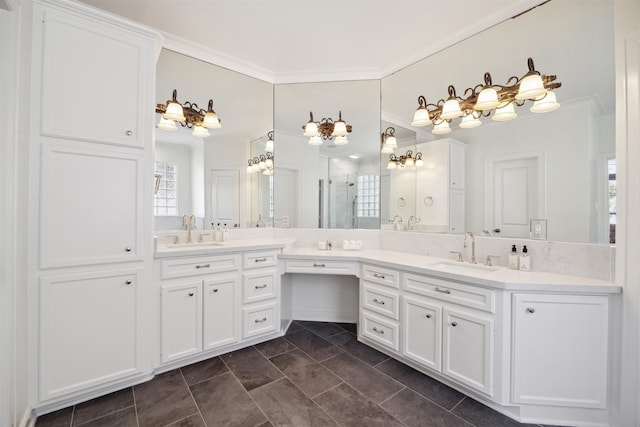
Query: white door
<point x="423" y="332"/>
<point x="221" y="312"/>
<point x="225" y="198"/>
<point x="514" y="195"/>
<point x="285" y="196"/>
<point x="181" y="320"/>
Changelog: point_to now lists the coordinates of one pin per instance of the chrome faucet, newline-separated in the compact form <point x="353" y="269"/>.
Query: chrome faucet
<point x="188" y="223"/>
<point x="412" y="221"/>
<point x="473" y="246"/>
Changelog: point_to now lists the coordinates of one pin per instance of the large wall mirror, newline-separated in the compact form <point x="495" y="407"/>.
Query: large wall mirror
<point x="328" y="185"/>
<point x="207" y="177"/>
<point x="555" y="167"/>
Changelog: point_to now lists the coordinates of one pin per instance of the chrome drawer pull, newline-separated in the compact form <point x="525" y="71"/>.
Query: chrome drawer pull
<point x="443" y="291"/>
<point x="260" y="259"/>
<point x="378" y="331"/>
<point x="531" y="310"/>
<point x="377" y="301"/>
<point x="260" y="286"/>
<point x="379" y="276"/>
<point x="318" y="265"/>
<point x="203" y="266"/>
<point x="264" y="319"/>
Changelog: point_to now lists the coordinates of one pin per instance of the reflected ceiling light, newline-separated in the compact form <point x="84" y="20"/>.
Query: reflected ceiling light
<point x="268" y="146"/>
<point x="405" y="161"/>
<point x="189" y="115"/>
<point x="262" y="163"/>
<point x="388" y="140"/>
<point x="327" y="129"/>
<point x="487" y="99"/>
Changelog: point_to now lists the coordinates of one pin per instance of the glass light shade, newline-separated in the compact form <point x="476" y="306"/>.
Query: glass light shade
<point x="409" y="162"/>
<point x="250" y="169"/>
<point x="211" y="120"/>
<point x="268" y="172"/>
<point x="174" y="112"/>
<point x="311" y="129"/>
<point x="269" y="145"/>
<point x="392" y="165"/>
<point x="441" y="128"/>
<point x="390" y="141"/>
<point x="505" y="113"/>
<point x="386" y="149"/>
<point x="166" y="124"/>
<point x="470" y="121"/>
<point x="315" y="140"/>
<point x="200" y="131"/>
<point x="262" y="165"/>
<point x="545" y="104"/>
<point x="339" y="128"/>
<point x="421" y="117"/>
<point x="487" y="99"/>
<point x="269" y="163"/>
<point x="451" y="109"/>
<point x="419" y="163"/>
<point x="531" y="87"/>
<point x="341" y="140"/>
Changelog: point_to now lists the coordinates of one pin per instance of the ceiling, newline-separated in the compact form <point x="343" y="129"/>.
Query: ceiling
<point x="285" y="41"/>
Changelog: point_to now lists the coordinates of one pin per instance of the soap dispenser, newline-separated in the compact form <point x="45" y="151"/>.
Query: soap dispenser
<point x="525" y="260"/>
<point x="514" y="258"/>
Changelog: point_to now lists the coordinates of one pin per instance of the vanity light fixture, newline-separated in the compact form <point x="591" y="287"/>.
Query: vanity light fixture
<point x="489" y="99"/>
<point x="327" y="129"/>
<point x="388" y="141"/>
<point x="188" y="115"/>
<point x="262" y="163"/>
<point x="405" y="161"/>
<point x="268" y="146"/>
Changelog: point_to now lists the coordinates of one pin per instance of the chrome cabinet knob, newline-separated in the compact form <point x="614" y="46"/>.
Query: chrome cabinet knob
<point x="531" y="310"/>
<point x="454" y="324"/>
<point x="128" y="282"/>
<point x="215" y="290"/>
<point x="190" y="294"/>
<point x="428" y="316"/>
<point x="127" y="249"/>
<point x="128" y="133"/>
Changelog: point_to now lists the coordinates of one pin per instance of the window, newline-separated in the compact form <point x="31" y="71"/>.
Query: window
<point x="612" y="192"/>
<point x="165" y="201"/>
<point x="368" y="196"/>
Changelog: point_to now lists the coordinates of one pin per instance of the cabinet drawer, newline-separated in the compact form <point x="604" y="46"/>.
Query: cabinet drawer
<point x="181" y="267"/>
<point x="321" y="267"/>
<point x="459" y="293"/>
<point x="259" y="319"/>
<point x="380" y="300"/>
<point x="382" y="331"/>
<point x="259" y="259"/>
<point x="382" y="276"/>
<point x="259" y="286"/>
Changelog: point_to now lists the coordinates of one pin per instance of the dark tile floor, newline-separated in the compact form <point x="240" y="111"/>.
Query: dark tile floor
<point x="317" y="375"/>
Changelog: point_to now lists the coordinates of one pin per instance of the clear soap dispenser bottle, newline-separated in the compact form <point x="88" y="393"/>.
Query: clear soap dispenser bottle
<point x="525" y="260"/>
<point x="514" y="259"/>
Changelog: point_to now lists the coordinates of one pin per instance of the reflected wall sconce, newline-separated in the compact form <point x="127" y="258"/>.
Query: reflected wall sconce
<point x="268" y="146"/>
<point x="487" y="99"/>
<point x="388" y="141"/>
<point x="262" y="163"/>
<point x="188" y="115"/>
<point x="405" y="161"/>
<point x="327" y="129"/>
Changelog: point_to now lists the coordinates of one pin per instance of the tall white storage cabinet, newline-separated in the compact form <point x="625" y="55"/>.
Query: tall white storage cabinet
<point x="92" y="103"/>
<point x="440" y="186"/>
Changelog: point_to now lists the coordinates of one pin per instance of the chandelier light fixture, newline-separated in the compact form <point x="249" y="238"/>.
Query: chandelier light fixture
<point x="262" y="163"/>
<point x="408" y="160"/>
<point x="188" y="115"/>
<point x="327" y="129"/>
<point x="488" y="99"/>
<point x="388" y="141"/>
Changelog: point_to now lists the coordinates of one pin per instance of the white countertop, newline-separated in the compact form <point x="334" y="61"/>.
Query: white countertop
<point x="494" y="277"/>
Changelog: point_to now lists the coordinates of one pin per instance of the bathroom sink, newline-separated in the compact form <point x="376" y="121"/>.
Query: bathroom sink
<point x="464" y="268"/>
<point x="194" y="244"/>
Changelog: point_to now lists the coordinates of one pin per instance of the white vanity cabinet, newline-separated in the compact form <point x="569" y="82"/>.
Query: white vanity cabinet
<point x="560" y="349"/>
<point x="181" y="320"/>
<point x="379" y="306"/>
<point x="440" y="189"/>
<point x="449" y="328"/>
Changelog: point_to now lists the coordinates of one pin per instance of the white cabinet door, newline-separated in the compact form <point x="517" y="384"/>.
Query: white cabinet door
<point x="93" y="86"/>
<point x="181" y="320"/>
<point x="456" y="165"/>
<point x="221" y="311"/>
<point x="422" y="329"/>
<point x="468" y="349"/>
<point x="91" y="205"/>
<point x="560" y="347"/>
<point x="456" y="211"/>
<point x="88" y="330"/>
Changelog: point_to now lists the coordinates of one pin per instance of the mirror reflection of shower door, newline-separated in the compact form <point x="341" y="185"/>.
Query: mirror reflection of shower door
<point x="321" y="203"/>
<point x="225" y="195"/>
<point x="285" y="196"/>
<point x="343" y="200"/>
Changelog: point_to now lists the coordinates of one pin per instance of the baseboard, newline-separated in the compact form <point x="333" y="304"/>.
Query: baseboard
<point x="326" y="316"/>
<point x="28" y="418"/>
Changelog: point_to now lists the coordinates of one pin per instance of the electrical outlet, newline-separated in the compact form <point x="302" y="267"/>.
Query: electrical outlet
<point x="538" y="229"/>
<point x="285" y="221"/>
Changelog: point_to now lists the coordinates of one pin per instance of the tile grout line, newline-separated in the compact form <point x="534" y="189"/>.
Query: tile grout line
<point x="135" y="405"/>
<point x="192" y="398"/>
